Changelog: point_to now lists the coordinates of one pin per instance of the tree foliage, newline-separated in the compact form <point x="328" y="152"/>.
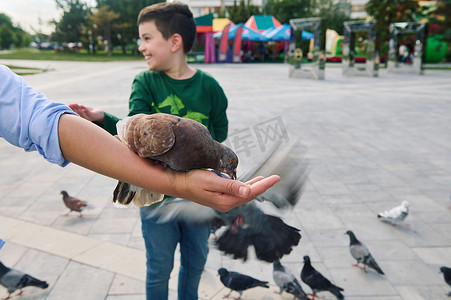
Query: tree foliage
<point x="385" y="12"/>
<point x="11" y="35"/>
<point x="73" y="23"/>
<point x="243" y="11"/>
<point x="332" y="15"/>
<point x="103" y="18"/>
<point x="284" y="10"/>
<point x="124" y="28"/>
<point x="441" y="18"/>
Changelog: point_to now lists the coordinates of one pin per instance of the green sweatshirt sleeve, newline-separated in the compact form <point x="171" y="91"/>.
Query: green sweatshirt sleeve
<point x="109" y="123"/>
<point x="220" y="123"/>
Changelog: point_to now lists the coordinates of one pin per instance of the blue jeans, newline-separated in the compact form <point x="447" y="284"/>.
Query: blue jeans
<point x="161" y="240"/>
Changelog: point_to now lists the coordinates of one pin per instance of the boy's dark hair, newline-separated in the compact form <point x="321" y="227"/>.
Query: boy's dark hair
<point x="171" y="18"/>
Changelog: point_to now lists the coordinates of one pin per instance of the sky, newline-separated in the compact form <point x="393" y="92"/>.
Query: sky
<point x="27" y="13"/>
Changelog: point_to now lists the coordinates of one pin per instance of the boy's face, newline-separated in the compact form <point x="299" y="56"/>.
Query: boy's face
<point x="156" y="50"/>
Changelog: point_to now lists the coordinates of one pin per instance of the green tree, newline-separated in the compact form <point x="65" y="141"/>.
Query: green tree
<point x="284" y="10"/>
<point x="71" y="27"/>
<point x="103" y="20"/>
<point x="5" y="19"/>
<point x="243" y="11"/>
<point x="6" y="37"/>
<point x="386" y="12"/>
<point x="124" y="29"/>
<point x="441" y="16"/>
<point x="332" y="15"/>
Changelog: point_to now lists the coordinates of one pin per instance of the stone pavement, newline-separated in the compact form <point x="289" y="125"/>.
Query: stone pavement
<point x="371" y="142"/>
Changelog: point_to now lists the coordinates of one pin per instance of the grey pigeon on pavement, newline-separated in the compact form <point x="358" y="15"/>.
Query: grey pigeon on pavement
<point x="16" y="280"/>
<point x="286" y="281"/>
<point x="446" y="276"/>
<point x="248" y="225"/>
<point x="73" y="203"/>
<point x="361" y="253"/>
<point x="395" y="215"/>
<point x="239" y="282"/>
<point x="179" y="143"/>
<point x="317" y="282"/>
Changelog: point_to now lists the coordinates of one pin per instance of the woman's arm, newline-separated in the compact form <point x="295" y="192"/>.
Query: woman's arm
<point x="89" y="146"/>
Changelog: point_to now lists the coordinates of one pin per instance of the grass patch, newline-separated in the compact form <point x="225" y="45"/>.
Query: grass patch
<point x="438" y="68"/>
<point x="83" y="55"/>
<point x="25" y="70"/>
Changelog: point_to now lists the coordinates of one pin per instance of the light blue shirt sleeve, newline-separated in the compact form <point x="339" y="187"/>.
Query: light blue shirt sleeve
<point x="28" y="119"/>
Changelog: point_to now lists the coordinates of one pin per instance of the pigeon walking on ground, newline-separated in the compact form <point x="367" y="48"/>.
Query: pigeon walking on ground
<point x="395" y="215"/>
<point x="446" y="276"/>
<point x="74" y="204"/>
<point x="178" y="143"/>
<point x="16" y="280"/>
<point x="248" y="225"/>
<point x="361" y="253"/>
<point x="317" y="282"/>
<point x="286" y="281"/>
<point x="239" y="282"/>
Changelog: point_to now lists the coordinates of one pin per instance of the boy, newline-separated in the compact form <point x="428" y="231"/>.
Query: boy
<point x="167" y="31"/>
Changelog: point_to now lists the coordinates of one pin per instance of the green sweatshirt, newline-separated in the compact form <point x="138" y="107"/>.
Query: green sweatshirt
<point x="200" y="98"/>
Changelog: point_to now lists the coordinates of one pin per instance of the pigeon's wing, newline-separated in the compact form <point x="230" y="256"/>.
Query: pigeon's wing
<point x="283" y="160"/>
<point x="182" y="210"/>
<point x="281" y="278"/>
<point x="316" y="280"/>
<point x="11" y="280"/>
<point x="287" y="282"/>
<point x="147" y="135"/>
<point x="396" y="214"/>
<point x="271" y="237"/>
<point x="295" y="288"/>
<point x="371" y="262"/>
<point x="359" y="251"/>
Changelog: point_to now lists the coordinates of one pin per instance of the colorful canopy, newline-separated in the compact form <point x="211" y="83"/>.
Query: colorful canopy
<point x="204" y="23"/>
<point x="261" y="23"/>
<point x="248" y="34"/>
<point x="220" y="23"/>
<point x="281" y="33"/>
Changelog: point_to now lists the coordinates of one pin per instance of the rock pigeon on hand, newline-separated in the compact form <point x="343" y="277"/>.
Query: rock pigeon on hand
<point x="286" y="281"/>
<point x="239" y="282"/>
<point x="317" y="282"/>
<point x="178" y="143"/>
<point x="446" y="276"/>
<point x="16" y="280"/>
<point x="361" y="253"/>
<point x="74" y="204"/>
<point x="396" y="214"/>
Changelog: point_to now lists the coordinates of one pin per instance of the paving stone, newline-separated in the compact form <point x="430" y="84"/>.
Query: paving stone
<point x="76" y="282"/>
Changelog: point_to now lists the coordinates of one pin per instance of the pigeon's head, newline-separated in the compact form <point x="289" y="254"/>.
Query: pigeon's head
<point x="223" y="272"/>
<point x="64" y="193"/>
<point x="350" y="233"/>
<point x="405" y="203"/>
<point x="276" y="264"/>
<point x="443" y="269"/>
<point x="228" y="163"/>
<point x="306" y="259"/>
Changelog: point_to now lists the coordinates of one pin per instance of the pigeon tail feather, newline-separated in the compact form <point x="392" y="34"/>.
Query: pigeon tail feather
<point x="127" y="194"/>
<point x="372" y="264"/>
<point x="28" y="280"/>
<point x="336" y="291"/>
